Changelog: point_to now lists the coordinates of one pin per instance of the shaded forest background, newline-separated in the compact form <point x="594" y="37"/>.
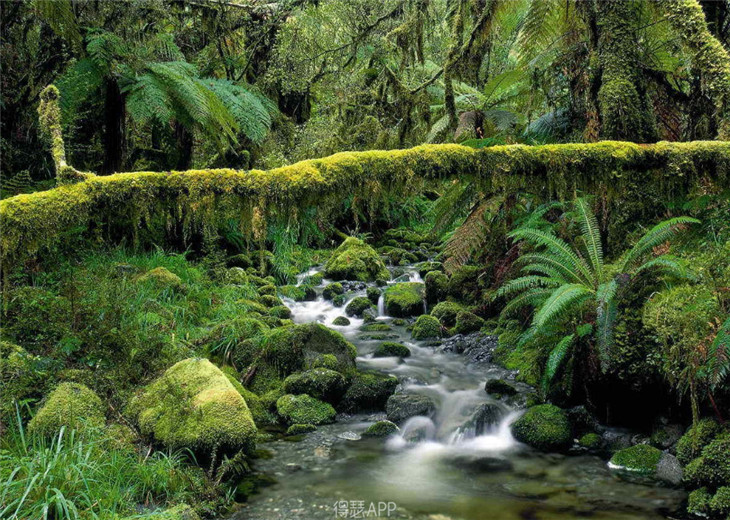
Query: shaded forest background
<point x="169" y="84"/>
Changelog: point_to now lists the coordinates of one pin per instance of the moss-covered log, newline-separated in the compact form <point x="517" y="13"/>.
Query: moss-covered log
<point x="200" y="199"/>
<point x="710" y="57"/>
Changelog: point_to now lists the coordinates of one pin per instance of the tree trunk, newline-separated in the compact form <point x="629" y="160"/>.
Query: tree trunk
<point x="710" y="57"/>
<point x="184" y="147"/>
<point x="114" y="128"/>
<point x="622" y="101"/>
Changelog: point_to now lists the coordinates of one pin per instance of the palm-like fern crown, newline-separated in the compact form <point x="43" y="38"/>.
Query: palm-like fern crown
<point x="161" y="87"/>
<point x="565" y="282"/>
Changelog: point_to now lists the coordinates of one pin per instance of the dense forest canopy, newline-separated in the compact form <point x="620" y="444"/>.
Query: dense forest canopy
<point x="421" y="259"/>
<point x="157" y="84"/>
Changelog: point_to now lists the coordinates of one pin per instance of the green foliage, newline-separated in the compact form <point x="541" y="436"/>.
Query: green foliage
<point x="70" y="476"/>
<point x="712" y="467"/>
<point x="696" y="438"/>
<point x="571" y="284"/>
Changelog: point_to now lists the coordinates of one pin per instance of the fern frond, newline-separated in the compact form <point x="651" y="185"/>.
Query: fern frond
<point x="437" y="129"/>
<point x="562" y="301"/>
<point x="466" y="239"/>
<point x="668" y="265"/>
<point x="591" y="235"/>
<point x="60" y="16"/>
<point x="655" y="236"/>
<point x="451" y="206"/>
<point x="555" y="360"/>
<point x="606" y="312"/>
<point x="545" y="270"/>
<point x="531" y="297"/>
<point x="557" y="247"/>
<point x="526" y="282"/>
<point x="553" y="263"/>
<point x="718" y="357"/>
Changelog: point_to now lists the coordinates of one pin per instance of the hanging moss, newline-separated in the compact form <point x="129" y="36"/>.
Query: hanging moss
<point x="198" y="200"/>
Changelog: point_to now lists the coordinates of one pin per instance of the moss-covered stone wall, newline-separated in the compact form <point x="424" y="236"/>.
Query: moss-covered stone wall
<point x="200" y="199"/>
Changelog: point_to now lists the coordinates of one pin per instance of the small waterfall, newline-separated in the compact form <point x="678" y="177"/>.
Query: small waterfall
<point x="381" y="305"/>
<point x="413" y="276"/>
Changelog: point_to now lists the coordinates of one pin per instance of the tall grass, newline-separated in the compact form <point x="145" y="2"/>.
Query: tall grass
<point x="73" y="476"/>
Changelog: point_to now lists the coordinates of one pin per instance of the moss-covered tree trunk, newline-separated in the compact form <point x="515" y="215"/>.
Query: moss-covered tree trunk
<point x="624" y="107"/>
<point x="710" y="57"/>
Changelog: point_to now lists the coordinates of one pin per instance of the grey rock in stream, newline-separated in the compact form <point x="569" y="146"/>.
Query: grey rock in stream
<point x="404" y="406"/>
<point x="477" y="347"/>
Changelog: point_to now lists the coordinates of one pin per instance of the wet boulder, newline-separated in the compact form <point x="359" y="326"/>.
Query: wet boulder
<point x="467" y="322"/>
<point x="486" y="416"/>
<point x="355" y="260"/>
<point x="426" y="327"/>
<point x="446" y="312"/>
<point x="404" y="406"/>
<point x="359" y="307"/>
<point x="331" y="290"/>
<point x="545" y="427"/>
<point x="436" y="284"/>
<point x="464" y="283"/>
<point x="368" y="391"/>
<point x="381" y="429"/>
<point x="341" y="321"/>
<point x="404" y="299"/>
<point x="304" y="409"/>
<point x="321" y="383"/>
<point x="499" y="388"/>
<point x="643" y="462"/>
<point x="193" y="405"/>
<point x="70" y="405"/>
<point x="300" y="429"/>
<point x="390" y="348"/>
<point x="285" y="350"/>
<point x="424" y="268"/>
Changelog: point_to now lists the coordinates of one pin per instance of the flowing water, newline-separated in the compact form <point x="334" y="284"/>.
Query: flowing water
<point x="440" y="467"/>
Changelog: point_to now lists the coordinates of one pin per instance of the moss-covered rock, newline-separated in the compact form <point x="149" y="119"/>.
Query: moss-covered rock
<point x="285" y="350"/>
<point x="373" y="294"/>
<point x="260" y="411"/>
<point x="424" y="268"/>
<point x="304" y="409"/>
<point x="268" y="290"/>
<point x="720" y="502"/>
<point x="691" y="444"/>
<point x="641" y="459"/>
<point x="194" y="405"/>
<point x="426" y="327"/>
<point x="280" y="311"/>
<point x="381" y="429"/>
<point x="341" y="321"/>
<point x="368" y="391"/>
<point x="321" y="383"/>
<point x="376" y="327"/>
<point x="499" y="387"/>
<point x="355" y="260"/>
<point x="339" y="300"/>
<point x="698" y="502"/>
<point x="298" y="293"/>
<point x="161" y="278"/>
<point x="300" y="429"/>
<point x="545" y="427"/>
<point x="464" y="283"/>
<point x="70" y="405"/>
<point x="591" y="441"/>
<point x="404" y="299"/>
<point x="390" y="348"/>
<point x="712" y="467"/>
<point x="270" y="300"/>
<point x="446" y="312"/>
<point x="332" y="290"/>
<point x="467" y="322"/>
<point x="359" y="306"/>
<point x="437" y="284"/>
